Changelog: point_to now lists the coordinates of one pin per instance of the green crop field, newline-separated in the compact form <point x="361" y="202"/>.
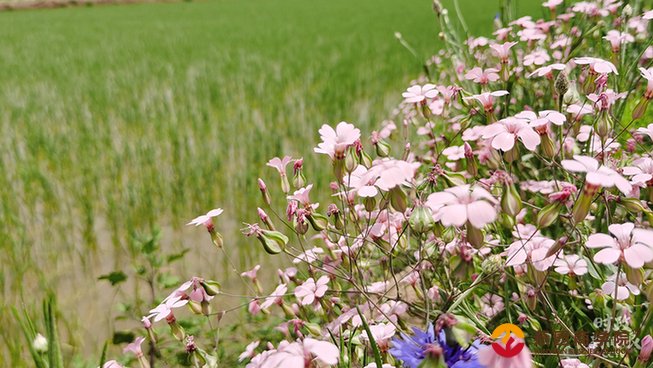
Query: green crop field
<point x="118" y="121"/>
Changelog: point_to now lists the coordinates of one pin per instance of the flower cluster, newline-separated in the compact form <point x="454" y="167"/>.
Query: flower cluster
<point x="520" y="192"/>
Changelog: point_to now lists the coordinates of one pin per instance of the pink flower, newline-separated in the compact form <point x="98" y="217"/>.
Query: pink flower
<point x="552" y="4"/>
<point x="111" y="364"/>
<point x="619" y="288"/>
<point x="135" y="347"/>
<point x="301" y="195"/>
<point x="648" y="75"/>
<point x="417" y="93"/>
<point x="454" y="153"/>
<point x="627" y="244"/>
<point x="505" y="133"/>
<point x="486" y="99"/>
<point x="249" y="351"/>
<point x="573" y="363"/>
<point x="537" y="57"/>
<point x="532" y="250"/>
<point x="164" y="310"/>
<point x="503" y="50"/>
<point x="481" y="76"/>
<point x="641" y="172"/>
<point x="206" y="220"/>
<point x="542" y="118"/>
<point x="310" y="290"/>
<point x="646" y="131"/>
<point x="382" y="333"/>
<point x="298" y="354"/>
<point x="384" y="174"/>
<point x="571" y="265"/>
<point x="491" y="305"/>
<point x="335" y="142"/>
<point x="455" y="206"/>
<point x="597" y="175"/>
<point x="617" y="38"/>
<point x="280" y="164"/>
<point x="604" y="100"/>
<point x="490" y="359"/>
<point x="275" y="297"/>
<point x="547" y="70"/>
<point x="251" y="274"/>
<point x="597" y="65"/>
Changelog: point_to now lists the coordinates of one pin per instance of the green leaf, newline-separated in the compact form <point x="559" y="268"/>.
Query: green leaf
<point x="177" y="256"/>
<point x="168" y="280"/>
<point x="375" y="348"/>
<point x="115" y="277"/>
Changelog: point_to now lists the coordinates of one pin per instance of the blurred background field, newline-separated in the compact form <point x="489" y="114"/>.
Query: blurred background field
<point x="118" y="121"/>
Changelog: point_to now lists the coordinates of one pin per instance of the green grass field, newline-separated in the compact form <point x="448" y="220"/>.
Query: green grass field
<point x="117" y="120"/>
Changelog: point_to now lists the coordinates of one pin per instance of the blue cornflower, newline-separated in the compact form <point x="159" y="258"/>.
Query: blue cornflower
<point x="412" y="350"/>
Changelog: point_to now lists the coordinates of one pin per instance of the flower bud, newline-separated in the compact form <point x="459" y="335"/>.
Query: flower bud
<point x="634" y="276"/>
<point x="511" y="202"/>
<point x="398" y="199"/>
<point x="40" y="343"/>
<point x="351" y="161"/>
<point x="369" y="203"/>
<point x="382" y="148"/>
<point x="547" y="145"/>
<point x="216" y="237"/>
<point x="211" y="287"/>
<point x="562" y="84"/>
<point x="603" y="125"/>
<point x="421" y="219"/>
<point x="299" y="180"/>
<point x="177" y="331"/>
<point x="492" y="264"/>
<point x="264" y="191"/>
<point x="548" y="215"/>
<point x="632" y="204"/>
<point x="364" y="159"/>
<point x="583" y="204"/>
<point x="470" y="159"/>
<point x="640" y="109"/>
<point x="646" y="350"/>
<point x="475" y="236"/>
<point x="195" y="307"/>
<point x="265" y="218"/>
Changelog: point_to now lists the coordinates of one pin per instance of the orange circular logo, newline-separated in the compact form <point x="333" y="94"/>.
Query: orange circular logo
<point x="507" y="348"/>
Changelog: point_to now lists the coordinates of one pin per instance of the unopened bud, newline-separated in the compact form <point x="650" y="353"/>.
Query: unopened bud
<point x="646" y="350"/>
<point x="398" y="199"/>
<point x="475" y="236"/>
<point x="351" y="161"/>
<point x="640" y="109"/>
<point x="548" y="215"/>
<point x="470" y="159"/>
<point x="562" y="84"/>
<point x="421" y="219"/>
<point x="511" y="202"/>
<point x="264" y="191"/>
<point x="382" y="148"/>
<point x="632" y="204"/>
<point x="265" y="219"/>
<point x="216" y="237"/>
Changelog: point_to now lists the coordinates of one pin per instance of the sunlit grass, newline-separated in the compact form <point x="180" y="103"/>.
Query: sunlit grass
<point x="117" y="120"/>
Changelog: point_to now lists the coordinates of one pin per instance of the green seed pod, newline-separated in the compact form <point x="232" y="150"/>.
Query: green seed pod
<point x="211" y="287"/>
<point x="318" y="221"/>
<point x="273" y="241"/>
